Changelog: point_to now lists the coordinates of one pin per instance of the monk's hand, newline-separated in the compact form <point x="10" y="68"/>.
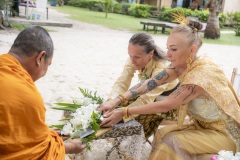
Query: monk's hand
<point x="64" y="137"/>
<point x="74" y="146"/>
<point x="109" y="105"/>
<point x="112" y="118"/>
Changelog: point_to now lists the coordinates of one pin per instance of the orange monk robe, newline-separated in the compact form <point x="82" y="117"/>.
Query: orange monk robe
<point x="23" y="132"/>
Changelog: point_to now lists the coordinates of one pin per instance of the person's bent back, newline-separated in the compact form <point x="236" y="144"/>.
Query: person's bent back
<point x="23" y="132"/>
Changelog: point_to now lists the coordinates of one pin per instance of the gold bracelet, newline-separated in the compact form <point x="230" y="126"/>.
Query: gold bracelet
<point x="129" y="115"/>
<point x="124" y="99"/>
<point x="125" y="113"/>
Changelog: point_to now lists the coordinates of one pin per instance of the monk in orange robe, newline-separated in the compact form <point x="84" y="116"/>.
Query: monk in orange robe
<point x="23" y="132"/>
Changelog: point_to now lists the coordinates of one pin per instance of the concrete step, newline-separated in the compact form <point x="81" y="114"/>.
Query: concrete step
<point x="39" y="22"/>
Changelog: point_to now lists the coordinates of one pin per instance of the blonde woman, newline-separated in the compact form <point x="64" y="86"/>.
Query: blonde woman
<point x="204" y="94"/>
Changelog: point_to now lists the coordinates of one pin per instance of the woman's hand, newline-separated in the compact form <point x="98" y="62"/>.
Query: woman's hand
<point x="112" y="118"/>
<point x="74" y="146"/>
<point x="108" y="106"/>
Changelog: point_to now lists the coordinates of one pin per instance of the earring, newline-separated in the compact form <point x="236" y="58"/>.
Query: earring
<point x="189" y="62"/>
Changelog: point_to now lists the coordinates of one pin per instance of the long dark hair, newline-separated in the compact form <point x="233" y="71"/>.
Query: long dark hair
<point x="146" y="40"/>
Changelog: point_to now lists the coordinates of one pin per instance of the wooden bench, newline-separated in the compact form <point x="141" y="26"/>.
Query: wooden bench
<point x="164" y="25"/>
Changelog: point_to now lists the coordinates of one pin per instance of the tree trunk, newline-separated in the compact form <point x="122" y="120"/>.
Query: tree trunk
<point x="212" y="30"/>
<point x="2" y="22"/>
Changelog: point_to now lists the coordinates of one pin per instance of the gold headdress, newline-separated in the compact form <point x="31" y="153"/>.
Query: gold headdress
<point x="179" y="18"/>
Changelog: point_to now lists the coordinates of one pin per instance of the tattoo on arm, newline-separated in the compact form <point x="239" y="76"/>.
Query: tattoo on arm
<point x="151" y="85"/>
<point x="134" y="94"/>
<point x="160" y="75"/>
<point x="191" y="88"/>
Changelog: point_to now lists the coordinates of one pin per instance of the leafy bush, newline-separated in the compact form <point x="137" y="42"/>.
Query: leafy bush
<point x="141" y="10"/>
<point x="124" y="7"/>
<point x="222" y="19"/>
<point x="96" y="5"/>
<point x="78" y="3"/>
<point x="236" y="16"/>
<point x="237" y="28"/>
<point x="116" y="7"/>
<point x="236" y="19"/>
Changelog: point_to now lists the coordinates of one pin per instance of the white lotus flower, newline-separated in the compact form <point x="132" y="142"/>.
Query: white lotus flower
<point x="67" y="129"/>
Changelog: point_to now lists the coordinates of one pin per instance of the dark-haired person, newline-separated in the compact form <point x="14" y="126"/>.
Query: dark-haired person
<point x="147" y="59"/>
<point x="23" y="132"/>
<point x="204" y="94"/>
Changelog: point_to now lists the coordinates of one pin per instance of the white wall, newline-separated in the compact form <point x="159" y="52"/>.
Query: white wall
<point x="231" y="6"/>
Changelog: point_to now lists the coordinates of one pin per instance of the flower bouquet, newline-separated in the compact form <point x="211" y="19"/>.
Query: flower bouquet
<point x="226" y="155"/>
<point x="81" y="118"/>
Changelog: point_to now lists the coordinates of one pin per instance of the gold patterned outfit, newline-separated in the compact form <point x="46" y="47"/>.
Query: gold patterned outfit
<point x="149" y="122"/>
<point x="215" y="123"/>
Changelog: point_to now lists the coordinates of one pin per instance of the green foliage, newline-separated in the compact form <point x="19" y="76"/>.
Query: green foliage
<point x="19" y="26"/>
<point x="59" y="126"/>
<point x="72" y="107"/>
<point x="222" y="19"/>
<point x="202" y="15"/>
<point x="1" y="4"/>
<point x="124" y="7"/>
<point x="79" y="3"/>
<point x="236" y="16"/>
<point x="130" y="23"/>
<point x="93" y="96"/>
<point x="108" y="5"/>
<point x="237" y="28"/>
<point x="95" y="121"/>
<point x="88" y="139"/>
<point x="229" y="19"/>
<point x="141" y="10"/>
<point x="67" y="106"/>
<point x="96" y="5"/>
<point x="236" y="19"/>
<point x="66" y="2"/>
<point x="116" y="7"/>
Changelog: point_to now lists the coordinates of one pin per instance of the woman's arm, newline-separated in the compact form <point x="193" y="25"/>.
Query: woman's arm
<point x="161" y="78"/>
<point x="143" y="87"/>
<point x="182" y="95"/>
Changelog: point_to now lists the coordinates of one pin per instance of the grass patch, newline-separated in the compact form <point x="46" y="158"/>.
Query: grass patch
<point x="226" y="39"/>
<point x="114" y="21"/>
<point x="19" y="26"/>
<point x="130" y="23"/>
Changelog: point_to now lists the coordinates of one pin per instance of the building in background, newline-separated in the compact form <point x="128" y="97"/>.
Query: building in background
<point x="227" y="6"/>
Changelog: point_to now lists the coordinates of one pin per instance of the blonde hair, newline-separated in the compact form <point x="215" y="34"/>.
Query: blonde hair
<point x="191" y="31"/>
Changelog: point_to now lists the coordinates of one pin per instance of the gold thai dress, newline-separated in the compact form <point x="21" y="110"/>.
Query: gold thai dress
<point x="149" y="122"/>
<point x="215" y="123"/>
